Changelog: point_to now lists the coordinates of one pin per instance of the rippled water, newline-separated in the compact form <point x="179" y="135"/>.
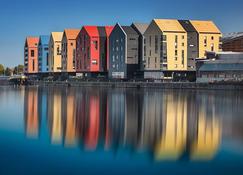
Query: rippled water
<point x="120" y="131"/>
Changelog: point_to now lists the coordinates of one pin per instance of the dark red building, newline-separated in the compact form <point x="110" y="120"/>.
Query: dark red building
<point x="233" y="42"/>
<point x="92" y="49"/>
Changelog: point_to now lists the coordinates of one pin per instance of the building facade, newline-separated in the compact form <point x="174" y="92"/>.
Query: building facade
<point x="209" y="37"/>
<point x="233" y="42"/>
<point x="221" y="66"/>
<point x="140" y="29"/>
<point x="31" y="55"/>
<point x="165" y="48"/>
<point x="92" y="49"/>
<point x="192" y="44"/>
<point x="55" y="52"/>
<point x="69" y="49"/>
<point x="123" y="52"/>
<point x="43" y="53"/>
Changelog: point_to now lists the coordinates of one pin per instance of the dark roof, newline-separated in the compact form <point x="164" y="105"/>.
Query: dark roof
<point x="141" y="27"/>
<point x="129" y="30"/>
<point x="102" y="32"/>
<point x="186" y="24"/>
<point x="232" y="36"/>
<point x="221" y="67"/>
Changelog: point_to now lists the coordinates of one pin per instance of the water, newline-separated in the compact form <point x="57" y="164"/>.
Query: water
<point x="120" y="131"/>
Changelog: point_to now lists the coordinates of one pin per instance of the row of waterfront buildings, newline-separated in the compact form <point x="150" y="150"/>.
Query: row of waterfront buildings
<point x="161" y="49"/>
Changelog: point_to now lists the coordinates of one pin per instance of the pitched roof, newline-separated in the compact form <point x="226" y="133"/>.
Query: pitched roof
<point x="186" y="24"/>
<point x="170" y="25"/>
<point x="129" y="30"/>
<point x="71" y="33"/>
<point x="57" y="36"/>
<point x="205" y="26"/>
<point x="44" y="39"/>
<point x="32" y="41"/>
<point x="91" y="30"/>
<point x="141" y="27"/>
<point x="108" y="30"/>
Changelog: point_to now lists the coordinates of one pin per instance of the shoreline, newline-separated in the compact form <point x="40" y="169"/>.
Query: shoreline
<point x="143" y="85"/>
<point x="135" y="85"/>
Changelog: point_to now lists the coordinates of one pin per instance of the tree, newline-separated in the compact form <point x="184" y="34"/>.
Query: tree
<point x="18" y="70"/>
<point x="1" y="69"/>
<point x="8" y="71"/>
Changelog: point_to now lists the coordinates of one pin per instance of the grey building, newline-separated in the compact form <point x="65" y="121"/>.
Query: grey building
<point x="221" y="66"/>
<point x="140" y="29"/>
<point x="123" y="52"/>
<point x="192" y="44"/>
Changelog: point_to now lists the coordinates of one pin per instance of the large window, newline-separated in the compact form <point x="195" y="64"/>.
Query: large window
<point x="95" y="44"/>
<point x="156" y="44"/>
<point x="32" y="53"/>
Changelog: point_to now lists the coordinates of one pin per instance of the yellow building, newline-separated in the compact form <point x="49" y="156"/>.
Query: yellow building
<point x="165" y="45"/>
<point x="55" y="52"/>
<point x="172" y="143"/>
<point x="209" y="37"/>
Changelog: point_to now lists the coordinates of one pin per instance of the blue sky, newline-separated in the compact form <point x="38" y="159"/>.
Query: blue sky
<point x="21" y="18"/>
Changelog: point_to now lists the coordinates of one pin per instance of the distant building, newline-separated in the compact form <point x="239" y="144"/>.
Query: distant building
<point x="43" y="53"/>
<point x="69" y="49"/>
<point x="209" y="37"/>
<point x="123" y="52"/>
<point x="220" y="66"/>
<point x="92" y="49"/>
<point x="233" y="42"/>
<point x="31" y="55"/>
<point x="140" y="29"/>
<point x="165" y="48"/>
<point x="55" y="52"/>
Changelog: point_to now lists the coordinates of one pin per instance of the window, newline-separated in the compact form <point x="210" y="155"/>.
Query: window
<point x="182" y="44"/>
<point x="132" y="39"/>
<point x="71" y="44"/>
<point x="176" y="39"/>
<point x="212" y="47"/>
<point x="205" y="41"/>
<point x="183" y="37"/>
<point x="176" y="53"/>
<point x="150" y="53"/>
<point x="164" y="38"/>
<point x="156" y="44"/>
<point x="150" y="40"/>
<point x="212" y="38"/>
<point x="33" y="65"/>
<point x="148" y="61"/>
<point x="183" y="57"/>
<point x="95" y="44"/>
<point x="47" y="60"/>
<point x="58" y="50"/>
<point x="144" y="50"/>
<point x="155" y="60"/>
<point x="46" y="48"/>
<point x="32" y="53"/>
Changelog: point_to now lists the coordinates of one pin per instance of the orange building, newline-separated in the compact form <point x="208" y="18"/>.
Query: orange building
<point x="31" y="55"/>
<point x="69" y="49"/>
<point x="31" y="114"/>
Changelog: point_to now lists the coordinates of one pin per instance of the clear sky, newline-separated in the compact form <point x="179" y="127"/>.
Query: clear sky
<point x="21" y="18"/>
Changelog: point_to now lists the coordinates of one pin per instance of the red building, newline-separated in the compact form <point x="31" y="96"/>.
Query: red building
<point x="92" y="49"/>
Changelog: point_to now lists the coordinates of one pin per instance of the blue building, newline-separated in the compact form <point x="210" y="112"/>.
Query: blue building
<point x="43" y="53"/>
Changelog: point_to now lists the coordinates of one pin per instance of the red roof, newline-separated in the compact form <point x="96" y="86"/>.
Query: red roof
<point x="32" y="41"/>
<point x="108" y="30"/>
<point x="92" y="30"/>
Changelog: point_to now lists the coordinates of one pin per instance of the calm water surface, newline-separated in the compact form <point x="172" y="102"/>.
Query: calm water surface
<point x="120" y="131"/>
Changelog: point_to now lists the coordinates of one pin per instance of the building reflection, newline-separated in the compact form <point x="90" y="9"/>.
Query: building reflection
<point x="167" y="125"/>
<point x="31" y="115"/>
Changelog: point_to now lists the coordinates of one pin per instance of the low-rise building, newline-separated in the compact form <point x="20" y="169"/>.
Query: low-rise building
<point x="69" y="49"/>
<point x="123" y="52"/>
<point x="233" y="42"/>
<point x="165" y="48"/>
<point x="220" y="66"/>
<point x="140" y="29"/>
<point x="55" y="52"/>
<point x="92" y="49"/>
<point x="31" y="55"/>
<point x="43" y="53"/>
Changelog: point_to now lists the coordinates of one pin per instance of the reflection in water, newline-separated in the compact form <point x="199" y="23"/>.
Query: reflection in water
<point x="169" y="125"/>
